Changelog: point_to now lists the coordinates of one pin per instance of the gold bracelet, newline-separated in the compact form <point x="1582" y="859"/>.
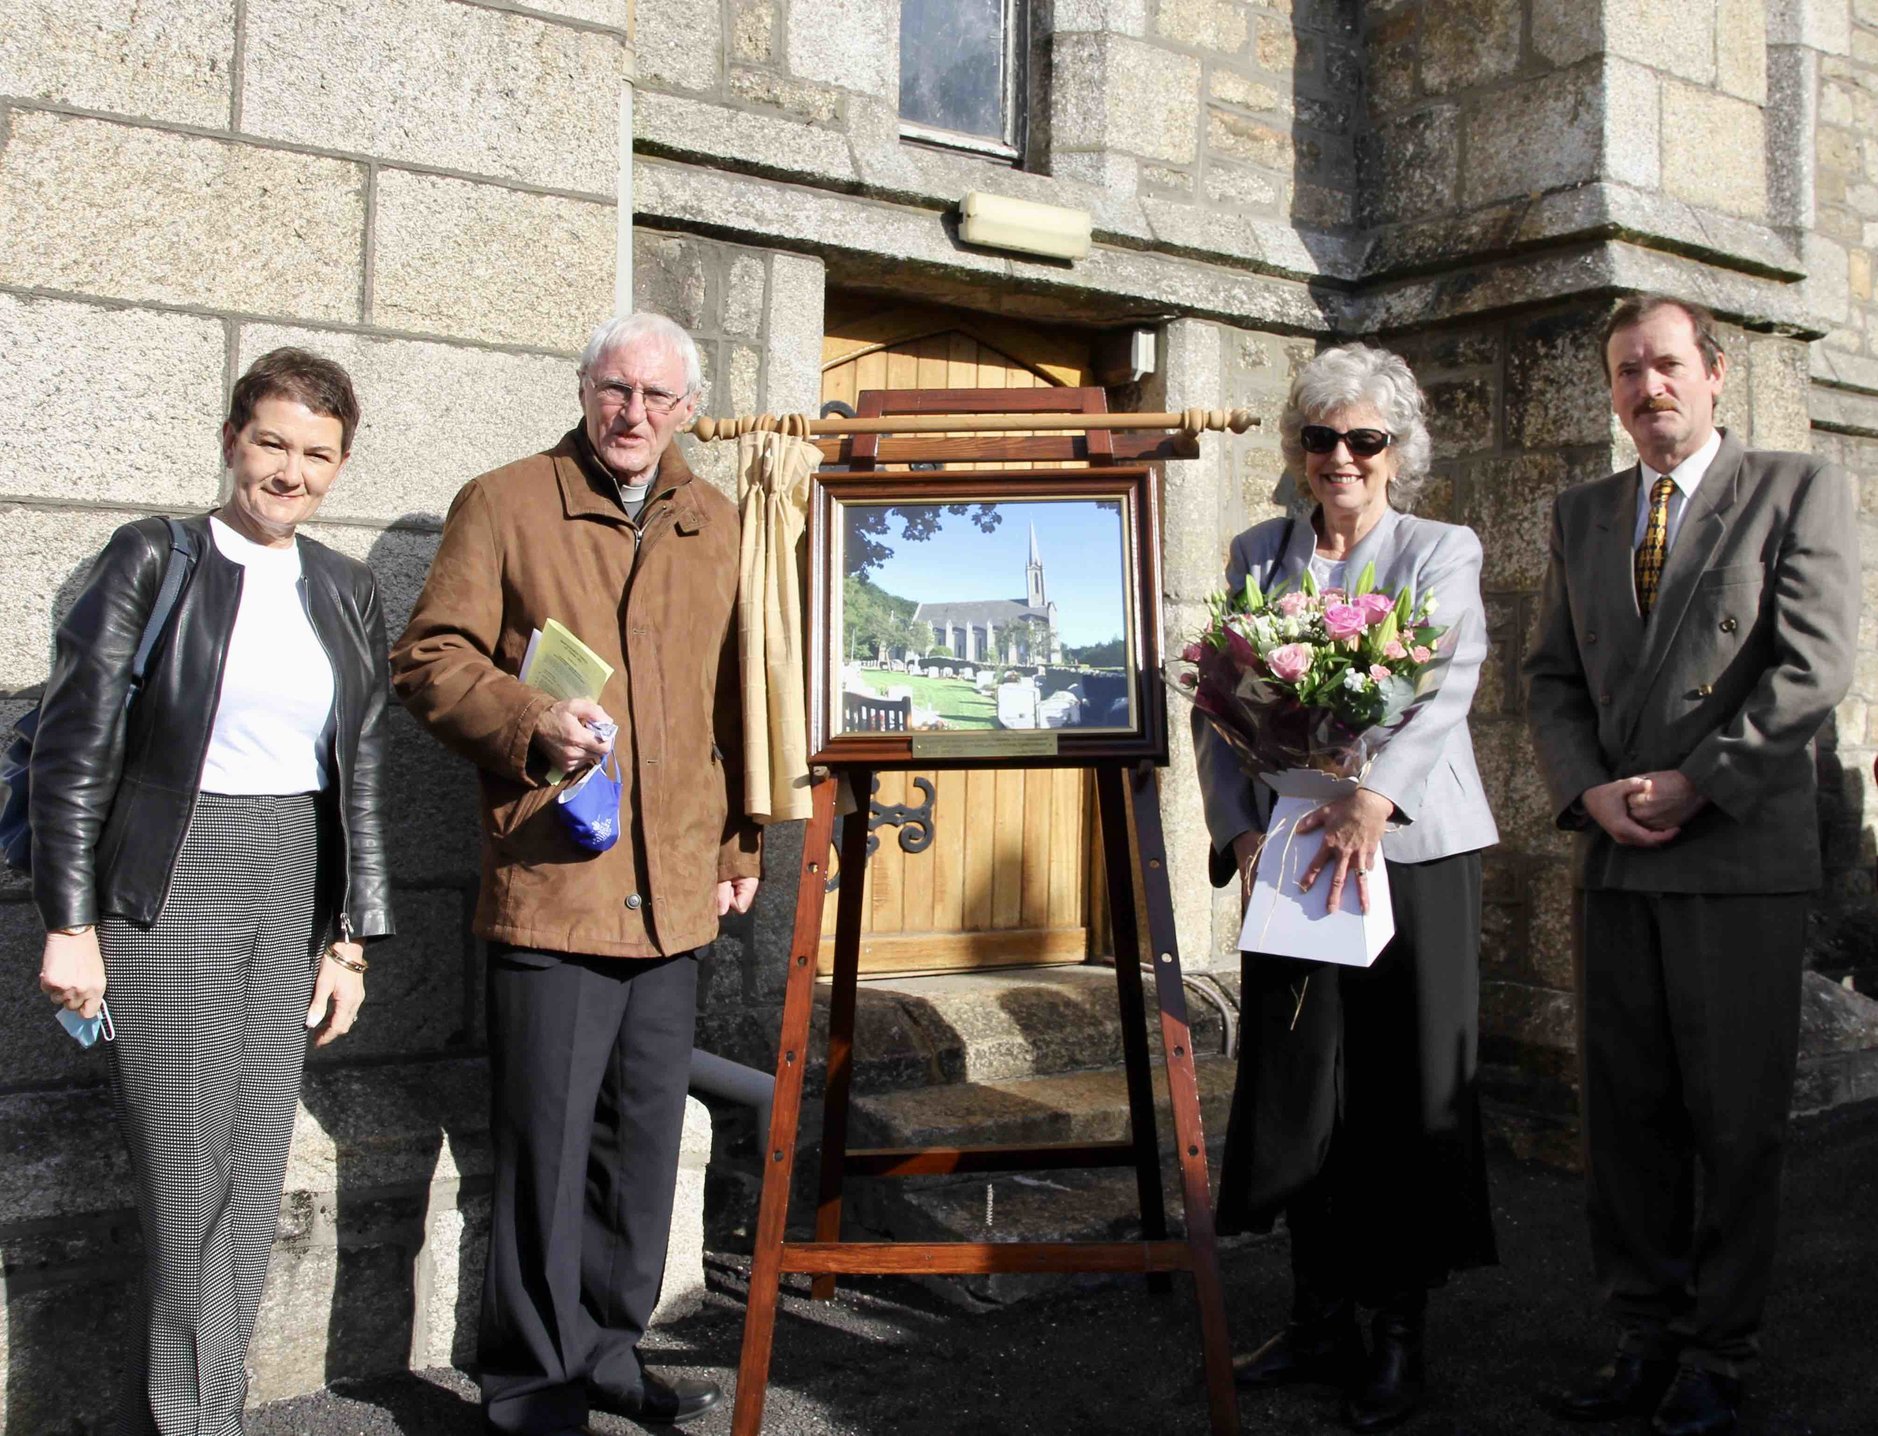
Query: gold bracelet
<point x="350" y="964"/>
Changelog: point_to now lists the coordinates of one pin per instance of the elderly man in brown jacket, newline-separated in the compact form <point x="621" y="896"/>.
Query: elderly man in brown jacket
<point x="593" y="956"/>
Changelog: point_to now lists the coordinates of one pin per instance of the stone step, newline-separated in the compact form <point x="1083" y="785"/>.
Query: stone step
<point x="1095" y="1205"/>
<point x="917" y="1032"/>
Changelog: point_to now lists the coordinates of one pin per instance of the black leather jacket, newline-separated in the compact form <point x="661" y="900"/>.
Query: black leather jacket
<point x="113" y="793"/>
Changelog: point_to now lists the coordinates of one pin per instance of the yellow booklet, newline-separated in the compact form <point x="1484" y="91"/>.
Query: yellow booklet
<point x="563" y="667"/>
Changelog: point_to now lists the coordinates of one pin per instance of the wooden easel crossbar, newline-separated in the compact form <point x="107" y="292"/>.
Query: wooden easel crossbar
<point x="1128" y="807"/>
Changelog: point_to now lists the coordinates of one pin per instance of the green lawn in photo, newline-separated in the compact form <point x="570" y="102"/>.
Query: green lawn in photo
<point x="956" y="702"/>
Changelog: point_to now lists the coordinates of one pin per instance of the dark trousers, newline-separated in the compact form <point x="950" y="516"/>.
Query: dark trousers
<point x="1355" y="1111"/>
<point x="588" y="1058"/>
<point x="1689" y="1013"/>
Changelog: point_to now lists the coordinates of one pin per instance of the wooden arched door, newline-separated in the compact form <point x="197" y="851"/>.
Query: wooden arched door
<point x="1005" y="878"/>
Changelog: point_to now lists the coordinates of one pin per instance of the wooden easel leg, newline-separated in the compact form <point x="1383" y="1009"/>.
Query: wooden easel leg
<point x="1118" y="855"/>
<point x="759" y="1323"/>
<point x="848" y="911"/>
<point x="1184" y="1088"/>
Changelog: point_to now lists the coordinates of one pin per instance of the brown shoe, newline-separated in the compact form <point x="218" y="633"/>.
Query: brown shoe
<point x="1328" y="1353"/>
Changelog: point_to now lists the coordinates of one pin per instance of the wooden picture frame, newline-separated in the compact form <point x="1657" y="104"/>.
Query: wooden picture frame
<point x="1076" y="714"/>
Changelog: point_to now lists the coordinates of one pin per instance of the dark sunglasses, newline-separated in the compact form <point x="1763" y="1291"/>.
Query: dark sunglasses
<point x="1364" y="443"/>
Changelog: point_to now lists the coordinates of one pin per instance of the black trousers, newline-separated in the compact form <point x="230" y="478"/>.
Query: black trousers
<point x="588" y="1058"/>
<point x="1355" y="1109"/>
<point x="1689" y="1015"/>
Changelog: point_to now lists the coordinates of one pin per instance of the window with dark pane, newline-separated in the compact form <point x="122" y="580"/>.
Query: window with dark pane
<point x="959" y="73"/>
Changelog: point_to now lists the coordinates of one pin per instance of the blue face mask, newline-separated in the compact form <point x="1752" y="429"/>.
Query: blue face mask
<point x="589" y="807"/>
<point x="87" y="1030"/>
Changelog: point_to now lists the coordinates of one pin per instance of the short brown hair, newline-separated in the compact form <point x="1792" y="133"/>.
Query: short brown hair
<point x="1632" y="311"/>
<point x="303" y="376"/>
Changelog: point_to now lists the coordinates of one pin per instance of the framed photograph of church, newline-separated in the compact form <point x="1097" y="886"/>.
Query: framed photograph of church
<point x="974" y="619"/>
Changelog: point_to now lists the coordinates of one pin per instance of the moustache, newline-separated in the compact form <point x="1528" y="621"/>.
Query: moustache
<point x="1656" y="406"/>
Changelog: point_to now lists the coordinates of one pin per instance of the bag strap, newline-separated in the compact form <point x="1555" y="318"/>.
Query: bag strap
<point x="182" y="551"/>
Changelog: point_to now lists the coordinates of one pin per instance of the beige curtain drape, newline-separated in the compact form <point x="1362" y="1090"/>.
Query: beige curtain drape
<point x="774" y="473"/>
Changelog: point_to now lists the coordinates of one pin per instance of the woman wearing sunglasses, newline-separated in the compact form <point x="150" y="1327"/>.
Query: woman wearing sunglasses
<point x="1354" y="1112"/>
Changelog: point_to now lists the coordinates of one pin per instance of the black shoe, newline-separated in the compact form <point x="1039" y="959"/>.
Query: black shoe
<point x="659" y="1402"/>
<point x="1698" y="1403"/>
<point x="1629" y="1386"/>
<point x="1329" y="1352"/>
<point x="1390" y="1388"/>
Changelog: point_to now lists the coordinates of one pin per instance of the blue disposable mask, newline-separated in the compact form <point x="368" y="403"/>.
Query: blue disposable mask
<point x="589" y="806"/>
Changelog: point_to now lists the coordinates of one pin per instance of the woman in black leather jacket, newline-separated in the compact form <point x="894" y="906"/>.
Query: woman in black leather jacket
<point x="209" y="852"/>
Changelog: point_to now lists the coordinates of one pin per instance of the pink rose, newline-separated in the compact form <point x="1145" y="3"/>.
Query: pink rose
<point x="1193" y="653"/>
<point x="1335" y="595"/>
<point x="1290" y="662"/>
<point x="1344" y="620"/>
<point x="1375" y="607"/>
<point x="1394" y="649"/>
<point x="1289" y="604"/>
<point x="1378" y="672"/>
<point x="1422" y="655"/>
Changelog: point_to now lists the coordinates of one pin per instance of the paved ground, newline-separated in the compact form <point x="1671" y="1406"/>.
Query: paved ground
<point x="894" y="1357"/>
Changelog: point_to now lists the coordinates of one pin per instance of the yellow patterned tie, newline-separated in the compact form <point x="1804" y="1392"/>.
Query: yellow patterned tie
<point x="1655" y="545"/>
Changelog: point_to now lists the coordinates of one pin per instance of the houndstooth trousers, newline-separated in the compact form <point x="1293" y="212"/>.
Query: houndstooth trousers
<point x="210" y="1007"/>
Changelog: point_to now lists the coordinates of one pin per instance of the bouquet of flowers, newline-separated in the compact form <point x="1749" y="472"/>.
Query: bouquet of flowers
<point x="1311" y="678"/>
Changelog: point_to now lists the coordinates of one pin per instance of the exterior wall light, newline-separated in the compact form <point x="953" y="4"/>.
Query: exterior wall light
<point x="994" y="221"/>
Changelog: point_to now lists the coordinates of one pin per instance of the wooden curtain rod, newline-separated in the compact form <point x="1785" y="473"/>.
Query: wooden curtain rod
<point x="1187" y="421"/>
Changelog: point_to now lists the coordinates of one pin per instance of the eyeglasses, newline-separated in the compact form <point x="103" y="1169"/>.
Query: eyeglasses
<point x="1364" y="443"/>
<point x="614" y="395"/>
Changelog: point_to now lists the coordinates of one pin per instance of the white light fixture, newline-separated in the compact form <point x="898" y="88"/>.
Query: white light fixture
<point x="995" y="221"/>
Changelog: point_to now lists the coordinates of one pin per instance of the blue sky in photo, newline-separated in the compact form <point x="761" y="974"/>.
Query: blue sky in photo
<point x="1081" y="548"/>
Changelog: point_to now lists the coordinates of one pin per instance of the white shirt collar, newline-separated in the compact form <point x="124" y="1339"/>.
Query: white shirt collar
<point x="1689" y="472"/>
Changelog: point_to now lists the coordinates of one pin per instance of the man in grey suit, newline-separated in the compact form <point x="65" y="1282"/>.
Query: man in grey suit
<point x="1696" y="628"/>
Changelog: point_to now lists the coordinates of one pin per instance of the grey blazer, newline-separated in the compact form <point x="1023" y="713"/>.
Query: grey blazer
<point x="1427" y="768"/>
<point x="1748" y="650"/>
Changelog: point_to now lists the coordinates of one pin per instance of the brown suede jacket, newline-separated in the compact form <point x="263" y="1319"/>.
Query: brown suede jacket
<point x="546" y="538"/>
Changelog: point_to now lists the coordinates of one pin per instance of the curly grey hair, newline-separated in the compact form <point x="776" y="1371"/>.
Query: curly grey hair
<point x="624" y="329"/>
<point x="1357" y="374"/>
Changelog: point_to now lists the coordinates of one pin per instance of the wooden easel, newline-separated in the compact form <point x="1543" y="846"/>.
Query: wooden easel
<point x="1129" y="806"/>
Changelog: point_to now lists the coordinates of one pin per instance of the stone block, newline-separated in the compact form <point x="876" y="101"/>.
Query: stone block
<point x="753" y="31"/>
<point x="1632" y="125"/>
<point x="1508" y="502"/>
<point x="683" y="1290"/>
<point x="64" y="1158"/>
<point x="1741" y="49"/>
<point x="1230" y="87"/>
<point x="140" y="214"/>
<point x="1238" y="137"/>
<point x="682" y="126"/>
<point x="1515" y="791"/>
<point x="164" y="61"/>
<point x="1117" y="94"/>
<point x="1120" y="17"/>
<point x="452" y="257"/>
<point x="433" y="416"/>
<point x="679" y="43"/>
<point x="1460" y="413"/>
<point x="1534" y="137"/>
<point x="72" y="1319"/>
<point x="812" y="104"/>
<point x="1679" y="39"/>
<point x="458" y="87"/>
<point x="1238" y="187"/>
<point x="102" y="406"/>
<point x="674" y="275"/>
<point x="1219" y="25"/>
<point x="433" y="822"/>
<point x="1413" y="166"/>
<point x="449" y="1278"/>
<point x="842" y="42"/>
<point x="792" y="381"/>
<point x="402" y="1125"/>
<point x="1567" y="31"/>
<point x="1714" y="150"/>
<point x="416" y="995"/>
<point x="1555" y="392"/>
<point x="1778" y="389"/>
<point x="1520" y="1016"/>
<point x="45" y="555"/>
<point x="1551" y="900"/>
<point x="1468" y="42"/>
